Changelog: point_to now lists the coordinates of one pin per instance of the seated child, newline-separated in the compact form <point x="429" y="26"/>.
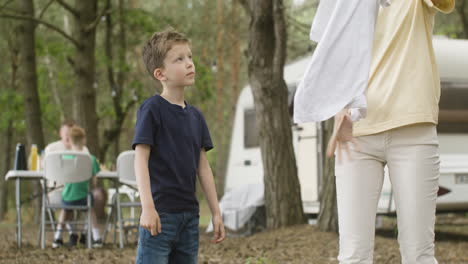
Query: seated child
<point x="76" y="194"/>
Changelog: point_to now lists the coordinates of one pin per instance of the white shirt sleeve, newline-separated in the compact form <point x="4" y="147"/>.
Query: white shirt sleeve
<point x="338" y="73"/>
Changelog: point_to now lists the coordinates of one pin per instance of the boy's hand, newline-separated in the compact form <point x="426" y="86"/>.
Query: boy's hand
<point x="150" y="221"/>
<point x="342" y="134"/>
<point x="218" y="228"/>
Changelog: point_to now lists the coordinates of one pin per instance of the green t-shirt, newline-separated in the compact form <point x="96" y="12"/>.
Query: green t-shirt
<point x="79" y="190"/>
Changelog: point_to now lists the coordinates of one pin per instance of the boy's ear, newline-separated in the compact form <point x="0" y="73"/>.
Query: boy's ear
<point x="159" y="74"/>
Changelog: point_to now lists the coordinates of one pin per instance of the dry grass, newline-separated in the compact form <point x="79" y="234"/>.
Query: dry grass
<point x="299" y="244"/>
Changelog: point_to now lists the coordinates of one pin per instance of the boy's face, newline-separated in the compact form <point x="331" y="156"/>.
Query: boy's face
<point x="179" y="70"/>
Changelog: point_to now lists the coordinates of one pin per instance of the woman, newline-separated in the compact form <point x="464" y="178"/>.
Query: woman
<point x="399" y="131"/>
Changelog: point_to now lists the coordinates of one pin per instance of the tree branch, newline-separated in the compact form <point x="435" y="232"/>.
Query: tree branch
<point x="68" y="8"/>
<point x="45" y="9"/>
<point x="128" y="107"/>
<point x="5" y="4"/>
<point x="304" y="28"/>
<point x="46" y="24"/>
<point x="98" y="19"/>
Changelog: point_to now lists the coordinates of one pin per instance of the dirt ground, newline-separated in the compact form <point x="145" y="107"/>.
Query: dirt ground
<point x="299" y="244"/>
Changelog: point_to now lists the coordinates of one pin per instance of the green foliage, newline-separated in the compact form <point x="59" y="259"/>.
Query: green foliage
<point x="143" y="23"/>
<point x="197" y="19"/>
<point x="11" y="107"/>
<point x="203" y="89"/>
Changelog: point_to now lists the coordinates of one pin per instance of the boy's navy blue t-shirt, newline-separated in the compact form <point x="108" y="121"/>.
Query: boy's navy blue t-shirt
<point x="176" y="136"/>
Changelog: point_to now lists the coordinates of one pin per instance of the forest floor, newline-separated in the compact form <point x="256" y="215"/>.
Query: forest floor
<point x="298" y="244"/>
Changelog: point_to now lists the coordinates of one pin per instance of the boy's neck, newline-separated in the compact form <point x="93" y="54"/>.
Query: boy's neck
<point x="174" y="95"/>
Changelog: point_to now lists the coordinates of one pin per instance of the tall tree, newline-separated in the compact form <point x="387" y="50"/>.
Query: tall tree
<point x="7" y="146"/>
<point x="220" y="88"/>
<point x="116" y="78"/>
<point x="266" y="59"/>
<point x="227" y="77"/>
<point x="462" y="11"/>
<point x="27" y="76"/>
<point x="85" y="22"/>
<point x="328" y="214"/>
<point x="7" y="149"/>
<point x="27" y="73"/>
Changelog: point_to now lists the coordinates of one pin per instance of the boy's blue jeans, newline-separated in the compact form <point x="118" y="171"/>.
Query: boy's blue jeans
<point x="176" y="244"/>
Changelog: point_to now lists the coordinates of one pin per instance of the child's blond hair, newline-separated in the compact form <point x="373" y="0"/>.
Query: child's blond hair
<point x="77" y="136"/>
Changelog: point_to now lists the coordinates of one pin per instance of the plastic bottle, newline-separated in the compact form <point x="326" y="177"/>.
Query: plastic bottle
<point x="20" y="158"/>
<point x="34" y="158"/>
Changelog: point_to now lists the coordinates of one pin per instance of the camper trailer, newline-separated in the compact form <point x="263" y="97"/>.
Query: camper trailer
<point x="245" y="163"/>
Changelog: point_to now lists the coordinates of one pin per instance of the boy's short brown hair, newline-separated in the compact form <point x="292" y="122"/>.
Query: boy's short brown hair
<point x="77" y="136"/>
<point x="156" y="48"/>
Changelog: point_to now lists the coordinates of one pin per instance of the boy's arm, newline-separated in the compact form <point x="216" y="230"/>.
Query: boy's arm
<point x="207" y="183"/>
<point x="149" y="217"/>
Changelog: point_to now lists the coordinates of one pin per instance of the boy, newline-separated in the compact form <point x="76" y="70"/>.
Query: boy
<point x="171" y="140"/>
<point x="76" y="194"/>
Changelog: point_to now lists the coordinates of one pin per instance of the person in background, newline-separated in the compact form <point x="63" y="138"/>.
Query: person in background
<point x="55" y="195"/>
<point x="75" y="194"/>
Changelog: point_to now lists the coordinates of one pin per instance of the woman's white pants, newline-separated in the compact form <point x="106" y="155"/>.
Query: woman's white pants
<point x="411" y="154"/>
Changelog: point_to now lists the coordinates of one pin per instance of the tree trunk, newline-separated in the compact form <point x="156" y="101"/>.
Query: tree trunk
<point x="55" y="91"/>
<point x="220" y="85"/>
<point x="266" y="58"/>
<point x="117" y="81"/>
<point x="220" y="43"/>
<point x="229" y="106"/>
<point x="8" y="143"/>
<point x="6" y="162"/>
<point x="463" y="13"/>
<point x="328" y="215"/>
<point x="28" y="83"/>
<point x="235" y="54"/>
<point x="235" y="60"/>
<point x="84" y="110"/>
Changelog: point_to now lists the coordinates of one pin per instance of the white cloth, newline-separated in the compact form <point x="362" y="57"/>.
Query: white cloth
<point x="238" y="205"/>
<point x="338" y="73"/>
<point x="412" y="156"/>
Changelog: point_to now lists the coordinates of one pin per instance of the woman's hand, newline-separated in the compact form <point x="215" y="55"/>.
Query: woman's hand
<point x="442" y="4"/>
<point x="342" y="134"/>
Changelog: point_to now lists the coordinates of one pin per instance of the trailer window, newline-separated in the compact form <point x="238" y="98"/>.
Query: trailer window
<point x="250" y="129"/>
<point x="453" y="115"/>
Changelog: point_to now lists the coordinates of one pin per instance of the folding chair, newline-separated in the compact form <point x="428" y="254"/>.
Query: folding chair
<point x="126" y="173"/>
<point x="66" y="167"/>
